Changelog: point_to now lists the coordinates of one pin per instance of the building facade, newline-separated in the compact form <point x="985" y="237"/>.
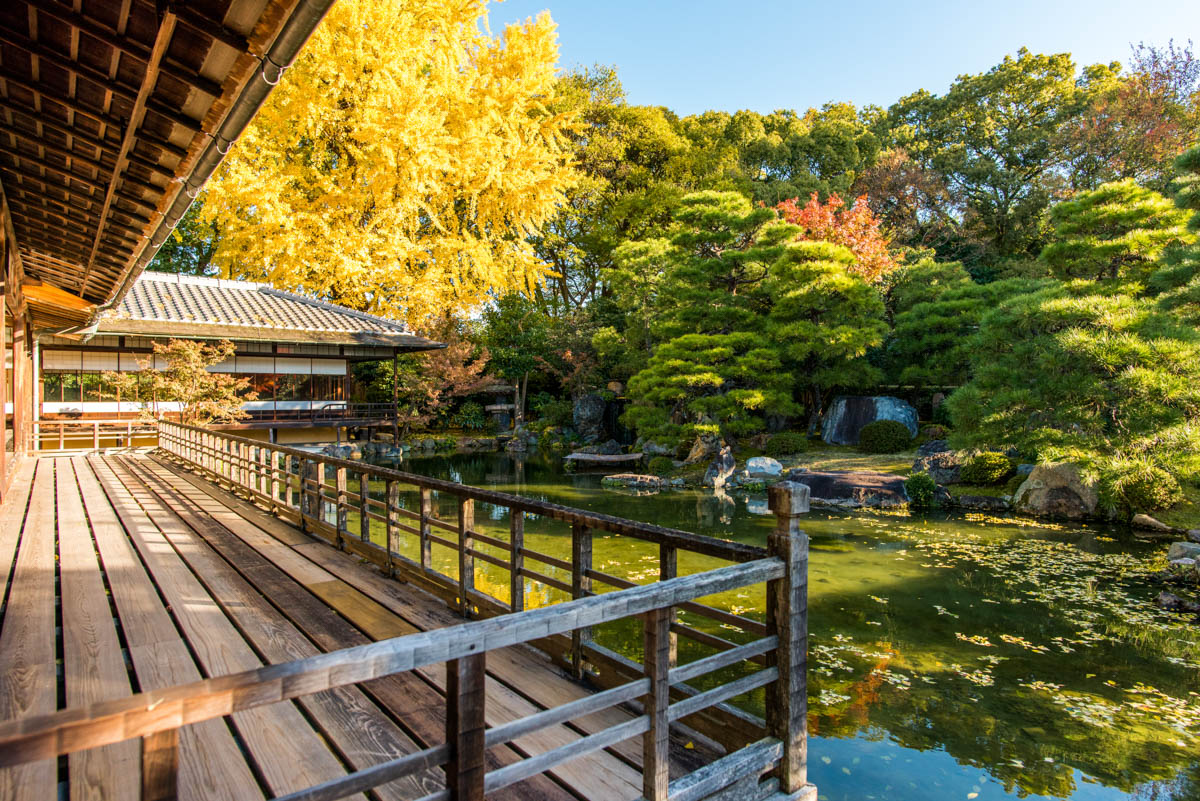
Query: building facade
<point x="296" y="352"/>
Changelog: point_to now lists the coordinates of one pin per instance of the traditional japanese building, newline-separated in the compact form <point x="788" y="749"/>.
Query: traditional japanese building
<point x="296" y="351"/>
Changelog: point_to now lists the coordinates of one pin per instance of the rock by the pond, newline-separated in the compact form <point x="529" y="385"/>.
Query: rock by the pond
<point x="721" y="469"/>
<point x="654" y="449"/>
<point x="849" y="413"/>
<point x="703" y="448"/>
<point x="944" y="467"/>
<point x="1194" y="534"/>
<point x="1025" y="469"/>
<point x="932" y="447"/>
<point x="610" y="448"/>
<point x="763" y="467"/>
<point x="981" y="503"/>
<point x="852" y="489"/>
<point x="1056" y="490"/>
<point x="1149" y="523"/>
<point x="1173" y="603"/>
<point x="428" y="444"/>
<point x="1183" y="550"/>
<point x="635" y="481"/>
<point x="588" y="417"/>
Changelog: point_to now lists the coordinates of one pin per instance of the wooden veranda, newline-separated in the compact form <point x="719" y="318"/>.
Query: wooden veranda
<point x="254" y="658"/>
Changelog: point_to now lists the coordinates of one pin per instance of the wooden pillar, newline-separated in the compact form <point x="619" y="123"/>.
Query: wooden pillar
<point x="364" y="506"/>
<point x="392" y="495"/>
<point x="308" y="475"/>
<point x="787" y="618"/>
<point x="656" y="742"/>
<point x="160" y="766"/>
<point x="516" y="562"/>
<point x="668" y="568"/>
<point x="465" y="697"/>
<point x="339" y="478"/>
<point x="466" y="560"/>
<point x="395" y="397"/>
<point x="426" y="513"/>
<point x="581" y="587"/>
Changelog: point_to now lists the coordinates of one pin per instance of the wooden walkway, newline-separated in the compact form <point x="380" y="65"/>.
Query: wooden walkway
<point x="121" y="574"/>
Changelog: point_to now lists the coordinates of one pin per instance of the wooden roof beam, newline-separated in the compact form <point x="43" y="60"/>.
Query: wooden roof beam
<point x="61" y="128"/>
<point x="211" y="28"/>
<point x="71" y="103"/>
<point x="105" y="35"/>
<point x="96" y="182"/>
<point x="162" y="40"/>
<point x="26" y="191"/>
<point x="68" y="229"/>
<point x="92" y="161"/>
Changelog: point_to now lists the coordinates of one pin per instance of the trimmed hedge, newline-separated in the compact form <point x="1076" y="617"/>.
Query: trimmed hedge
<point x="884" y="436"/>
<point x="660" y="466"/>
<point x="786" y="443"/>
<point x="986" y="468"/>
<point x="921" y="490"/>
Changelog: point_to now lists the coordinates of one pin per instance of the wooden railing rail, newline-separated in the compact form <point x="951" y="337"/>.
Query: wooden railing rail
<point x="83" y="434"/>
<point x="155" y="716"/>
<point x="324" y="495"/>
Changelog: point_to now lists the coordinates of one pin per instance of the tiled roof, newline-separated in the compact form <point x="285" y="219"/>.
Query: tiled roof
<point x="171" y="301"/>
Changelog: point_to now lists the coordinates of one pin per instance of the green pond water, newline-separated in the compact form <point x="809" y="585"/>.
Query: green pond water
<point x="960" y="656"/>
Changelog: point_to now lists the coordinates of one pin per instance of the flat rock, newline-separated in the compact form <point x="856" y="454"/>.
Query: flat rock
<point x="932" y="447"/>
<point x="944" y="467"/>
<point x="1183" y="550"/>
<point x="852" y="489"/>
<point x="1056" y="490"/>
<point x="982" y="503"/>
<point x="636" y="481"/>
<point x="1148" y="522"/>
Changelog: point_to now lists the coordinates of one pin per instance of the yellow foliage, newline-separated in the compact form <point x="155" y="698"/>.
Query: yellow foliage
<point x="402" y="161"/>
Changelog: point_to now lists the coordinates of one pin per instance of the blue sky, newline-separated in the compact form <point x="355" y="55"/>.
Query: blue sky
<point x="767" y="54"/>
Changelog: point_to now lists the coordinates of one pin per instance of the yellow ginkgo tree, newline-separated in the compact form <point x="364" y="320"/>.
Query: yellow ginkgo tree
<point x="402" y="162"/>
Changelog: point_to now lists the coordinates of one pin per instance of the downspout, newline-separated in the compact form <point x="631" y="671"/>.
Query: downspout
<point x="283" y="52"/>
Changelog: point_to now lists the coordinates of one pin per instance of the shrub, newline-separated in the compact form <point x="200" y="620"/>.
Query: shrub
<point x="934" y="431"/>
<point x="1014" y="484"/>
<point x="660" y="466"/>
<point x="1137" y="486"/>
<point x="988" y="467"/>
<point x="922" y="491"/>
<point x="786" y="443"/>
<point x="941" y="415"/>
<point x="884" y="436"/>
<point x="470" y="416"/>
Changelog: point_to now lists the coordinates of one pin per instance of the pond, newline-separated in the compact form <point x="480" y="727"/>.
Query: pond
<point x="951" y="656"/>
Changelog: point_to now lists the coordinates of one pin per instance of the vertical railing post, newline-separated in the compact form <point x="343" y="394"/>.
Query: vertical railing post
<point x="273" y="456"/>
<point x="288" y="489"/>
<point x="426" y="544"/>
<point x="364" y="506"/>
<point x="308" y="475"/>
<point x="787" y="618"/>
<point x="656" y="742"/>
<point x="466" y="560"/>
<point x="668" y="568"/>
<point x="95" y="435"/>
<point x="516" y="563"/>
<point x="392" y="495"/>
<point x="465" y="697"/>
<point x="160" y="766"/>
<point x="581" y="587"/>
<point x="339" y="478"/>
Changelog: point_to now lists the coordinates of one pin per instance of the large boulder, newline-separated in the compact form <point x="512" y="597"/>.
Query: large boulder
<point x="721" y="469"/>
<point x="848" y="414"/>
<point x="761" y="467"/>
<point x="705" y="447"/>
<point x="1057" y="490"/>
<point x="852" y="489"/>
<point x="588" y="417"/>
<point x="944" y="467"/>
<point x="1183" y="550"/>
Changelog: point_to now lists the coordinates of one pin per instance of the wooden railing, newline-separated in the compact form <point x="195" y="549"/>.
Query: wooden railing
<point x="365" y="509"/>
<point x="59" y="435"/>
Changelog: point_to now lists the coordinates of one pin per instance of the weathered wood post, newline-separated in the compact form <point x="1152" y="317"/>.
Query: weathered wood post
<point x="465" y="725"/>
<point x="393" y="524"/>
<point x="160" y="766"/>
<point x="787" y="618"/>
<point x="656" y="742"/>
<point x="516" y="544"/>
<point x="466" y="559"/>
<point x="425" y="543"/>
<point x="339" y="478"/>
<point x="581" y="587"/>
<point x="668" y="568"/>
<point x="364" y="506"/>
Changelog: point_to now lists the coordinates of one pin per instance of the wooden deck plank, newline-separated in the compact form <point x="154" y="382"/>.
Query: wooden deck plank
<point x="597" y="775"/>
<point x="420" y="706"/>
<point x="28" y="677"/>
<point x="93" y="667"/>
<point x="288" y="752"/>
<point x="12" y="517"/>
<point x="359" y="730"/>
<point x="211" y="764"/>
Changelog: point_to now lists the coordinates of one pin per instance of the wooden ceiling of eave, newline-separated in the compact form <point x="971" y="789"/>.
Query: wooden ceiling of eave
<point x="104" y="106"/>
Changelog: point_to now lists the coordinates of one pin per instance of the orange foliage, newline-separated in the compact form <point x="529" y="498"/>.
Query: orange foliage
<point x="856" y="228"/>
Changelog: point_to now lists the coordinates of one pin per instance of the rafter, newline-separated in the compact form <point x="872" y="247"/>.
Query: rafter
<point x="53" y="96"/>
<point x="97" y="182"/>
<point x="134" y="219"/>
<point x="42" y="179"/>
<point x="162" y="40"/>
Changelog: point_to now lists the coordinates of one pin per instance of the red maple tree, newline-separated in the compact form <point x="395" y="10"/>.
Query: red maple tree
<point x="855" y="228"/>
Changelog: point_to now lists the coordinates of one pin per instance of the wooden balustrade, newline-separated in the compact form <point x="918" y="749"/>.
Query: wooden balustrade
<point x="60" y="435"/>
<point x="322" y="495"/>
